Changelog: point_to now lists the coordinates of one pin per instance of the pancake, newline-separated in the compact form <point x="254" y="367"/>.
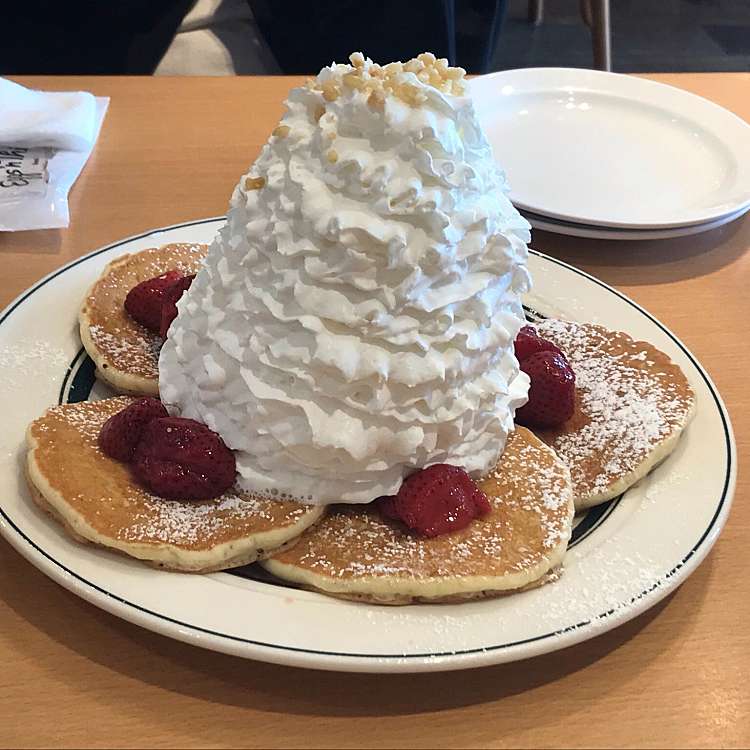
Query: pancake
<point x="97" y="500"/>
<point x="125" y="353"/>
<point x="632" y="404"/>
<point x="357" y="554"/>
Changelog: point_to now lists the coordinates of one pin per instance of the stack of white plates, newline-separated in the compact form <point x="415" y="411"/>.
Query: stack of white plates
<point x="610" y="156"/>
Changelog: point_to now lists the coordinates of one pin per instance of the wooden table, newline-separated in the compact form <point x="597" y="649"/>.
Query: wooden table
<point x="172" y="150"/>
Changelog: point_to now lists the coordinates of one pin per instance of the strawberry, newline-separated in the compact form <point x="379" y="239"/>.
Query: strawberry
<point x="122" y="431"/>
<point x="529" y="342"/>
<point x="387" y="507"/>
<point x="169" y="306"/>
<point x="144" y="301"/>
<point x="436" y="500"/>
<point x="181" y="459"/>
<point x="552" y="392"/>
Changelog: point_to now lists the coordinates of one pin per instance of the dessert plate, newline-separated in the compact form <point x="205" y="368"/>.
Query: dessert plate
<point x="625" y="556"/>
<point x="592" y="231"/>
<point x="614" y="150"/>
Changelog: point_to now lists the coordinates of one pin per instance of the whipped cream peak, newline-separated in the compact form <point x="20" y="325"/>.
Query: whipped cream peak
<point x="355" y="317"/>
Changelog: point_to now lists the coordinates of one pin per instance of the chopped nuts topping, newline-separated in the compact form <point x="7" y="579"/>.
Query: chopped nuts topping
<point x="254" y="183"/>
<point x="353" y="80"/>
<point x="412" y="94"/>
<point x="281" y="131"/>
<point x="332" y="156"/>
<point x="379" y="82"/>
<point x="330" y="91"/>
<point x="376" y="100"/>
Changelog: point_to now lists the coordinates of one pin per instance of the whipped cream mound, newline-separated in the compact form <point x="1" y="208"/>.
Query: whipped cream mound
<point x="355" y="317"/>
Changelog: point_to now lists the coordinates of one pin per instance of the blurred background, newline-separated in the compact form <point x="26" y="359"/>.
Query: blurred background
<point x="270" y="37"/>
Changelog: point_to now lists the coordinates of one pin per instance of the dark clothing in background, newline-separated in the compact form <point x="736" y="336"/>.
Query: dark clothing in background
<point x="114" y="37"/>
<point x="478" y="27"/>
<point x="87" y="37"/>
<point x="304" y="36"/>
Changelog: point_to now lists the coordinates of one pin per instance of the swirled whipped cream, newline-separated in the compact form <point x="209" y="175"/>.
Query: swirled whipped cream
<point x="355" y="317"/>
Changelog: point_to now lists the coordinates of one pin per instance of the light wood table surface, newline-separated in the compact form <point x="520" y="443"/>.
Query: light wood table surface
<point x="171" y="150"/>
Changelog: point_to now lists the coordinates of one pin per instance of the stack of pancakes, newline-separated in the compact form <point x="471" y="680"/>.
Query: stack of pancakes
<point x="632" y="403"/>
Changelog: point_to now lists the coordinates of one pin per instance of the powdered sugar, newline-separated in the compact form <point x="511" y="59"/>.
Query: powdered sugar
<point x="191" y="524"/>
<point x="25" y="358"/>
<point x="137" y="354"/>
<point x="381" y="549"/>
<point x="31" y="366"/>
<point x="630" y="399"/>
<point x="605" y="581"/>
<point x="545" y="492"/>
<point x="21" y="362"/>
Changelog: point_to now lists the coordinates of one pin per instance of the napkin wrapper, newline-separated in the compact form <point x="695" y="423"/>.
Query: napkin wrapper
<point x="35" y="181"/>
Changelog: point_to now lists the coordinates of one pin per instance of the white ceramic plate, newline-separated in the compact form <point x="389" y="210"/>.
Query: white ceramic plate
<point x="627" y="555"/>
<point x="602" y="233"/>
<point x="614" y="150"/>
